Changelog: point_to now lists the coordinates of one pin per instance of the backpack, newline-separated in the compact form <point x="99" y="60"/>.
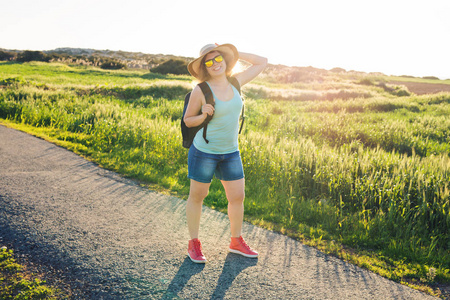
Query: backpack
<point x="189" y="133"/>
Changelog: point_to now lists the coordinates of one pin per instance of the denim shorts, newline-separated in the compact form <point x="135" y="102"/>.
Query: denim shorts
<point x="203" y="166"/>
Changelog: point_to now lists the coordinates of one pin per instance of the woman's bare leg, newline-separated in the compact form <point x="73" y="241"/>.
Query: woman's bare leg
<point x="198" y="192"/>
<point x="235" y="191"/>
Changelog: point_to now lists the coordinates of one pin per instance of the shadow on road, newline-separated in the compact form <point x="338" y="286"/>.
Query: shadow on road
<point x="186" y="271"/>
<point x="234" y="265"/>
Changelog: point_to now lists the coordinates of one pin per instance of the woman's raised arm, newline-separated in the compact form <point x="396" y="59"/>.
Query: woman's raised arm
<point x="258" y="63"/>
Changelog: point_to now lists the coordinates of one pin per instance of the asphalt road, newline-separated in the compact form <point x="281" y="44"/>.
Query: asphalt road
<point x="112" y="239"/>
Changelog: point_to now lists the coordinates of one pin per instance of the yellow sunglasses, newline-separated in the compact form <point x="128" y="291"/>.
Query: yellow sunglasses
<point x="210" y="62"/>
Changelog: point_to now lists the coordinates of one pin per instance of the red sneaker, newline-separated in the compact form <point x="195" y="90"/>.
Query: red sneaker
<point x="195" y="251"/>
<point x="239" y="246"/>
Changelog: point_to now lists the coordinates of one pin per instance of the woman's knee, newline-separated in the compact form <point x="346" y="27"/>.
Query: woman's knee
<point x="197" y="196"/>
<point x="237" y="198"/>
<point x="235" y="190"/>
<point x="198" y="191"/>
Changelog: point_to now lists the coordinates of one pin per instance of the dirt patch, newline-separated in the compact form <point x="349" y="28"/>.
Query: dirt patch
<point x="422" y="88"/>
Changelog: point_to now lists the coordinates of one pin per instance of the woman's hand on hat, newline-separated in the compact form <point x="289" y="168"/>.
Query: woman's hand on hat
<point x="208" y="109"/>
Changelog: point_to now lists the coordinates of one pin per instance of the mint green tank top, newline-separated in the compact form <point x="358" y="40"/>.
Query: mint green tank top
<point x="223" y="129"/>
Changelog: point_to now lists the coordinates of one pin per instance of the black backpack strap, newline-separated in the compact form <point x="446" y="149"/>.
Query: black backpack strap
<point x="206" y="90"/>
<point x="242" y="118"/>
<point x="237" y="85"/>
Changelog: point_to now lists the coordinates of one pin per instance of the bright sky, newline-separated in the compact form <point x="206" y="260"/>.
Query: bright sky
<point x="396" y="37"/>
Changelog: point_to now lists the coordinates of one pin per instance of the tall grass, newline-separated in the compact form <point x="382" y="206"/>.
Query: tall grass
<point x="143" y="132"/>
<point x="368" y="197"/>
<point x="369" y="173"/>
<point x="418" y="124"/>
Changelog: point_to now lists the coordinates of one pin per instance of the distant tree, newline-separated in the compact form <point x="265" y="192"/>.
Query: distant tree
<point x="154" y="62"/>
<point x="431" y="77"/>
<point x="112" y="64"/>
<point x="172" y="66"/>
<point x="55" y="57"/>
<point x="4" y="55"/>
<point x="96" y="61"/>
<point x="28" y="55"/>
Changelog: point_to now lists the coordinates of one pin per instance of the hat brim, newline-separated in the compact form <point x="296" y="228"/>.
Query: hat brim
<point x="229" y="52"/>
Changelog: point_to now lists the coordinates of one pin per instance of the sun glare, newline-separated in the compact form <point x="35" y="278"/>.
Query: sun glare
<point x="239" y="67"/>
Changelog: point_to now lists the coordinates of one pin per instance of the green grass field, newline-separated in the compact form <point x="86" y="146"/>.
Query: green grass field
<point x="349" y="164"/>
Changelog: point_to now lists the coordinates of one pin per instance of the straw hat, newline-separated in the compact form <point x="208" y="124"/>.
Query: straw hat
<point x="228" y="51"/>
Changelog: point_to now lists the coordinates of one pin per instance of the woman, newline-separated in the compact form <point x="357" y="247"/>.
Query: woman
<point x="220" y="156"/>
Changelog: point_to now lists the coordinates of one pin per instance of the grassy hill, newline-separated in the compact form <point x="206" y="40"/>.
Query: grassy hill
<point x="139" y="60"/>
<point x="355" y="164"/>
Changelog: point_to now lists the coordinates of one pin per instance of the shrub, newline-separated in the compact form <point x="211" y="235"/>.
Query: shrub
<point x="366" y="81"/>
<point x="431" y="77"/>
<point x="28" y="55"/>
<point x="401" y="91"/>
<point x="111" y="64"/>
<point x="57" y="57"/>
<point x="395" y="90"/>
<point x="4" y="55"/>
<point x="172" y="66"/>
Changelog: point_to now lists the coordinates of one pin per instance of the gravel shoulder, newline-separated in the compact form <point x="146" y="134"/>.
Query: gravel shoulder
<point x="112" y="239"/>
